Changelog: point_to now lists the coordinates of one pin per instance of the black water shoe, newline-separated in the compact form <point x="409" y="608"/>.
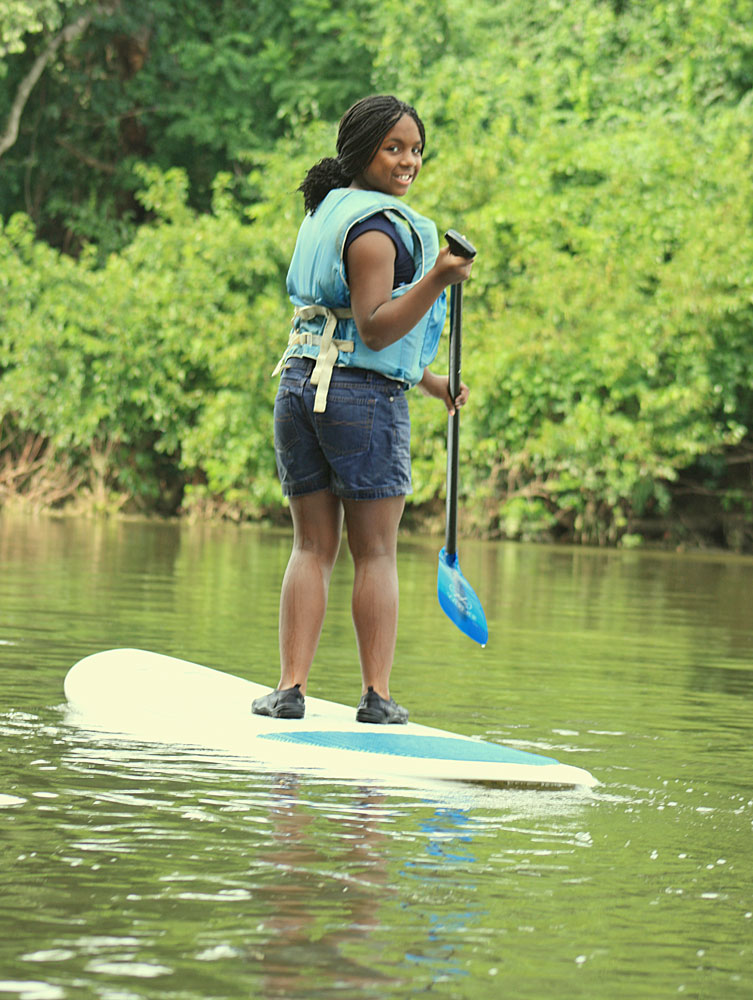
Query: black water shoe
<point x="374" y="708"/>
<point x="286" y="704"/>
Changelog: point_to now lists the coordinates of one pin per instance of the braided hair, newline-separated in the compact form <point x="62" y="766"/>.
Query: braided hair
<point x="361" y="130"/>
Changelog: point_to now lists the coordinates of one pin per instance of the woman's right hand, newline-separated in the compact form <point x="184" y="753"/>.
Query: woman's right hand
<point x="452" y="268"/>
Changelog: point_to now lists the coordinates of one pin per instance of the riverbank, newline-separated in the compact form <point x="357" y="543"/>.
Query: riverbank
<point x="696" y="523"/>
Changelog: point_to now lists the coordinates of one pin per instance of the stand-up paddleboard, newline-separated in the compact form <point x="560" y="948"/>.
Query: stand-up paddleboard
<point x="155" y="698"/>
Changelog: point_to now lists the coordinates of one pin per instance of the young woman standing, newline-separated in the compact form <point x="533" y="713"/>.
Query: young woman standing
<point x="367" y="280"/>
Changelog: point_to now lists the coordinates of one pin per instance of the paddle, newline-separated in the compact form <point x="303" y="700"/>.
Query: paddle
<point x="457" y="598"/>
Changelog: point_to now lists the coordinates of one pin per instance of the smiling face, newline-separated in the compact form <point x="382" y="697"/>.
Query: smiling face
<point x="397" y="161"/>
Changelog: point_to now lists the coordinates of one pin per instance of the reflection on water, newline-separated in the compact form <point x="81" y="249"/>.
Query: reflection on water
<point x="301" y="878"/>
<point x="143" y="871"/>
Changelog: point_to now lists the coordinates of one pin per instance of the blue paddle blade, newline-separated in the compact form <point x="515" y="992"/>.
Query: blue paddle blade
<point x="458" y="599"/>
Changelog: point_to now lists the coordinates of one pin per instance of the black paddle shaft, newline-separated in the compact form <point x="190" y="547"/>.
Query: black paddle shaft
<point x="460" y="246"/>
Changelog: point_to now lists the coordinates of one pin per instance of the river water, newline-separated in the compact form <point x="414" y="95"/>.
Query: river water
<point x="132" y="872"/>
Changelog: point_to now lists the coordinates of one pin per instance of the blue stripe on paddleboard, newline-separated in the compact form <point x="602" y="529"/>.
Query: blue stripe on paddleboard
<point x="411" y="745"/>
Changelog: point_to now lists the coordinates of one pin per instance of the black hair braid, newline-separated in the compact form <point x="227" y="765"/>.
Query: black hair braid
<point x="361" y="130"/>
<point x="322" y="178"/>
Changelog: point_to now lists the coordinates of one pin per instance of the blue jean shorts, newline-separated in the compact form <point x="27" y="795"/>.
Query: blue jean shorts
<point x="359" y="448"/>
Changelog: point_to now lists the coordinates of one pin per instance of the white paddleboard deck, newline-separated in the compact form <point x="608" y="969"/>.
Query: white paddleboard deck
<point x="147" y="696"/>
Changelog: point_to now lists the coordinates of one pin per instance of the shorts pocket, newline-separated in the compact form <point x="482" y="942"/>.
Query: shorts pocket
<point x="346" y="425"/>
<point x="286" y="434"/>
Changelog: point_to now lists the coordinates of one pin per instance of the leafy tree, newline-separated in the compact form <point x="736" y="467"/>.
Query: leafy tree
<point x="197" y="85"/>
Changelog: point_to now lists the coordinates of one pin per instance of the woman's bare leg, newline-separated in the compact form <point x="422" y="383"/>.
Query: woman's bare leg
<point x="317" y="526"/>
<point x="372" y="539"/>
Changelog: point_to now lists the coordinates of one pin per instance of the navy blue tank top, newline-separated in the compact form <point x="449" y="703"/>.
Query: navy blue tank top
<point x="404" y="266"/>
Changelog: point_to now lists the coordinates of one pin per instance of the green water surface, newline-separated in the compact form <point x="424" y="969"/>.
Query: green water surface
<point x="132" y="872"/>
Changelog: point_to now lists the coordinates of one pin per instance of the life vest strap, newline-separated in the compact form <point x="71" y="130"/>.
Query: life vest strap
<point x="329" y="347"/>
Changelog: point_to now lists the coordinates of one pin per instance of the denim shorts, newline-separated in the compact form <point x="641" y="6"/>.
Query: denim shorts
<point x="359" y="448"/>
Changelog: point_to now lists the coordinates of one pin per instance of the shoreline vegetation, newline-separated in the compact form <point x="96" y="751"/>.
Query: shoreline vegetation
<point x="597" y="153"/>
<point x="40" y="485"/>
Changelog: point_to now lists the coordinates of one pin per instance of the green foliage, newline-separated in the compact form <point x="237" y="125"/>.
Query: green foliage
<point x="131" y="368"/>
<point x="598" y="154"/>
<point x="201" y="86"/>
<point x="19" y="18"/>
<point x="623" y="267"/>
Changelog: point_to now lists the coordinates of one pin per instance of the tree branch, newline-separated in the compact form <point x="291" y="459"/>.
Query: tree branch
<point x="67" y="34"/>
<point x="90" y="161"/>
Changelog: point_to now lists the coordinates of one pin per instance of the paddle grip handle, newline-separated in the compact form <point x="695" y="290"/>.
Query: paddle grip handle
<point x="459" y="245"/>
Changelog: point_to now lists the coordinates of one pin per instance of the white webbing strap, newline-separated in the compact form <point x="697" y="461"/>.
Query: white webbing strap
<point x="329" y="348"/>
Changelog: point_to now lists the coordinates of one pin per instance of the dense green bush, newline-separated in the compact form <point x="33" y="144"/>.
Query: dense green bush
<point x="152" y="370"/>
<point x="621" y="351"/>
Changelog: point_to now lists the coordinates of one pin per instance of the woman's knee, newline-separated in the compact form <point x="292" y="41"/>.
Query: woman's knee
<point x="373" y="526"/>
<point x="317" y="525"/>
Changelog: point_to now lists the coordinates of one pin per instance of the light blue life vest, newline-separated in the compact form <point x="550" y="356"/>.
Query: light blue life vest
<point x="323" y="326"/>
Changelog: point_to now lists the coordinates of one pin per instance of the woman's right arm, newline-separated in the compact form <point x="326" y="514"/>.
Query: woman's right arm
<point x="381" y="319"/>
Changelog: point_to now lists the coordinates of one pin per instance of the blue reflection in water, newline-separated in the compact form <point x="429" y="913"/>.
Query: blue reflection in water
<point x="448" y="830"/>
